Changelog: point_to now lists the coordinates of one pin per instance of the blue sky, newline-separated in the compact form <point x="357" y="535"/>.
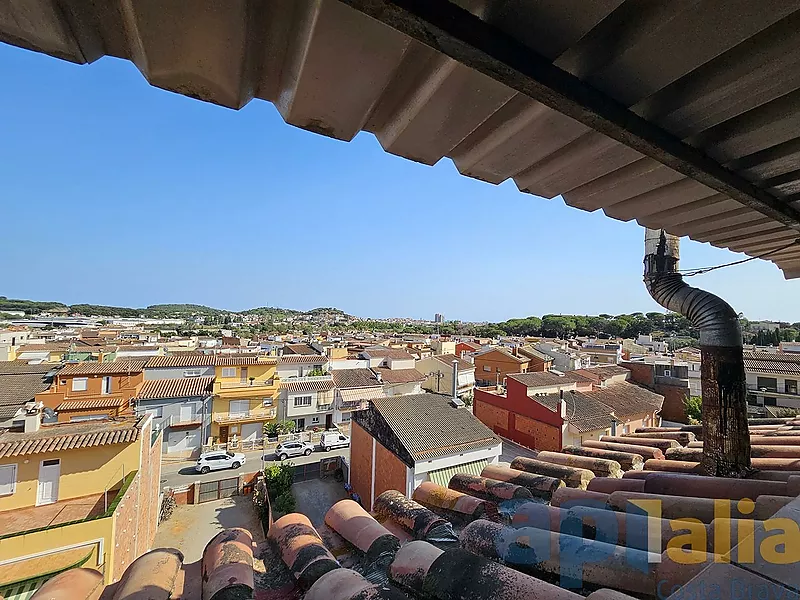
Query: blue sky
<point x="115" y="192"/>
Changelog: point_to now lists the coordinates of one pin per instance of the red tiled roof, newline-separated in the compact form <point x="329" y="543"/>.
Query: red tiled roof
<point x="548" y="379"/>
<point x="303" y="358"/>
<point x="106" y="368"/>
<point x="69" y="436"/>
<point x="354" y="378"/>
<point x="399" y="375"/>
<point x="181" y="360"/>
<point x="185" y="387"/>
<point x="308" y="386"/>
<point x="92" y="404"/>
<point x="463" y="365"/>
<point x="384" y="352"/>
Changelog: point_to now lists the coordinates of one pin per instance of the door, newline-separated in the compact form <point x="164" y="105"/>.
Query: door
<point x="106" y="385"/>
<point x="243" y="376"/>
<point x="301" y="424"/>
<point x="328" y="421"/>
<point x="186" y="413"/>
<point x="49" y="472"/>
<point x="223" y="434"/>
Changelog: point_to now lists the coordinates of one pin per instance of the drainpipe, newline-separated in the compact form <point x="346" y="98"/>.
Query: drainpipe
<point x="726" y="442"/>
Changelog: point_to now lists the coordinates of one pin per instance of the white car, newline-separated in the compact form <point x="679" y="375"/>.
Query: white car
<point x="333" y="439"/>
<point x="292" y="448"/>
<point x="213" y="461"/>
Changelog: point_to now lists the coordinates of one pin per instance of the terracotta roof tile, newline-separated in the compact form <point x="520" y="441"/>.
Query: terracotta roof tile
<point x="185" y="387"/>
<point x="548" y="379"/>
<point x="307" y="386"/>
<point x="384" y="352"/>
<point x="181" y="360"/>
<point x="463" y="365"/>
<point x="106" y="368"/>
<point x="399" y="375"/>
<point x="68" y="436"/>
<point x="302" y="358"/>
<point x="92" y="404"/>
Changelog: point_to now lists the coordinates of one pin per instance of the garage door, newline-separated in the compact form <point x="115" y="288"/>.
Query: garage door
<point x="181" y="441"/>
<point x="252" y="432"/>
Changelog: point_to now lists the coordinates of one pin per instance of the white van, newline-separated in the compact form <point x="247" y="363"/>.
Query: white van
<point x="333" y="439"/>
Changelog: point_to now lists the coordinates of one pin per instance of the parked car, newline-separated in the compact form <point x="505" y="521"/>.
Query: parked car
<point x="292" y="448"/>
<point x="213" y="461"/>
<point x="333" y="439"/>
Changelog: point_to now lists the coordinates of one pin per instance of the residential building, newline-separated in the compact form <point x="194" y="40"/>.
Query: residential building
<point x="789" y="347"/>
<point x="492" y="366"/>
<point x="772" y="378"/>
<point x="303" y="349"/>
<point x="52" y="352"/>
<point x="466" y="350"/>
<point x="440" y="346"/>
<point x="76" y="494"/>
<point x="399" y="381"/>
<point x="657" y="346"/>
<point x="301" y="365"/>
<point x="399" y="442"/>
<point x="139" y="351"/>
<point x="19" y="384"/>
<point x="181" y="408"/>
<point x="564" y="357"/>
<point x="179" y="366"/>
<point x="308" y="401"/>
<point x="91" y="390"/>
<point x="246" y="393"/>
<point x="548" y="411"/>
<point x="537" y="361"/>
<point x="603" y="354"/>
<point x="438" y="372"/>
<point x="393" y="358"/>
<point x="354" y="387"/>
<point x="668" y="378"/>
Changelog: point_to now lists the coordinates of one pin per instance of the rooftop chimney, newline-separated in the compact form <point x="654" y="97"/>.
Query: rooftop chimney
<point x="33" y="418"/>
<point x="562" y="405"/>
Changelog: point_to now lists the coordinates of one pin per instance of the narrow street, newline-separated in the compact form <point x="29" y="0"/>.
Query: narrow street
<point x="182" y="473"/>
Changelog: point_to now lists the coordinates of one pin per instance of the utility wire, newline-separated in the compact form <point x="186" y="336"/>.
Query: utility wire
<point x="701" y="270"/>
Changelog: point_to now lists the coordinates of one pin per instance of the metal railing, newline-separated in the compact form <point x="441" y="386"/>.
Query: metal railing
<point x="179" y="420"/>
<point x="771" y="390"/>
<point x="256" y="383"/>
<point x="309" y="378"/>
<point x="249" y="415"/>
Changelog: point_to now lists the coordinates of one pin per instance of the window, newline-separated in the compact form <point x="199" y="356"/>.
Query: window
<point x="229" y="371"/>
<point x="770" y="402"/>
<point x="315" y="420"/>
<point x="302" y="401"/>
<point x="106" y="385"/>
<point x="487" y="368"/>
<point x="267" y="402"/>
<point x="194" y="373"/>
<point x="79" y="384"/>
<point x="156" y="412"/>
<point x="8" y="479"/>
<point x="88" y="418"/>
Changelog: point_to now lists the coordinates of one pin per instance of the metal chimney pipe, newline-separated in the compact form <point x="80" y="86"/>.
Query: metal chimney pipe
<point x="726" y="442"/>
<point x="455" y="379"/>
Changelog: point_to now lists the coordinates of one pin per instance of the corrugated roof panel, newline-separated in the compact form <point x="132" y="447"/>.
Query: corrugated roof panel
<point x="442" y="476"/>
<point x="722" y="75"/>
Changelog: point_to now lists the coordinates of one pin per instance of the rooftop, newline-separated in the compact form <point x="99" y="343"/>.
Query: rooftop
<point x="399" y="375"/>
<point x="548" y="378"/>
<point x="426" y="426"/>
<point x="384" y="352"/>
<point x="184" y="387"/>
<point x="463" y="365"/>
<point x="70" y="436"/>
<point x="116" y="367"/>
<point x="181" y="360"/>
<point x="354" y="378"/>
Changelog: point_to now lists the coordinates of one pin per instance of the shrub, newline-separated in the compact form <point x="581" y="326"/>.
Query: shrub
<point x="279" y="478"/>
<point x="285" y="502"/>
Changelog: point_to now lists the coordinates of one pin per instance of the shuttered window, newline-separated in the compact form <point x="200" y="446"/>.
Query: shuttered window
<point x="8" y="479"/>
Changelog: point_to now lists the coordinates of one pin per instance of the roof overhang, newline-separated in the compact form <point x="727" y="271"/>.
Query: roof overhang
<point x="676" y="115"/>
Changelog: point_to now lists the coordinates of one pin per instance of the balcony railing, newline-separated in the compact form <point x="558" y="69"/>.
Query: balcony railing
<point x="355" y="405"/>
<point x="309" y="378"/>
<point x="251" y="415"/>
<point x="177" y="420"/>
<point x="324" y="407"/>
<point x="256" y="383"/>
<point x="771" y="390"/>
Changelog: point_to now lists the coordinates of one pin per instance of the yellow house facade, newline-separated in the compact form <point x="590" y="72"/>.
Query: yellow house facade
<point x="246" y="390"/>
<point x="76" y="494"/>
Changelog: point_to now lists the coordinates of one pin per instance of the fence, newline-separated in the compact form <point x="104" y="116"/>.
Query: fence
<point x="216" y="490"/>
<point x="269" y="444"/>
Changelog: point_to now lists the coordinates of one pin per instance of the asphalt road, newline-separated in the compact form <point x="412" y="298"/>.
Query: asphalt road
<point x="183" y="473"/>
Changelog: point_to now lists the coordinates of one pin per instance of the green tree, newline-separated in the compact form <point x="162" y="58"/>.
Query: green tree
<point x="694" y="409"/>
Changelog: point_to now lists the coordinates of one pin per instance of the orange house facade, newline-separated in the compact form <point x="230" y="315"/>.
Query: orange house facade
<point x="492" y="366"/>
<point x="90" y="390"/>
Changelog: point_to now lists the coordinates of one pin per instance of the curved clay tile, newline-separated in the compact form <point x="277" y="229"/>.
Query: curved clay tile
<point x="228" y="565"/>
<point x="301" y="548"/>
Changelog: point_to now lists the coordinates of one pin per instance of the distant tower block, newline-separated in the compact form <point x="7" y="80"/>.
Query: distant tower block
<point x="438" y="318"/>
